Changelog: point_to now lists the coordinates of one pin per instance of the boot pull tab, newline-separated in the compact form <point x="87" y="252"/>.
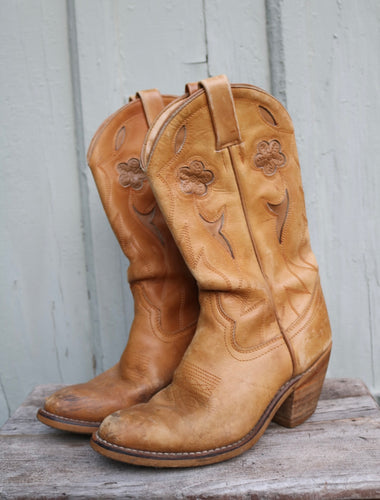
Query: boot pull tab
<point x="152" y="103"/>
<point x="191" y="87"/>
<point x="222" y="109"/>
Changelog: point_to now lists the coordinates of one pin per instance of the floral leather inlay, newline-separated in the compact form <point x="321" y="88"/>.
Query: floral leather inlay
<point x="269" y="157"/>
<point x="131" y="174"/>
<point x="194" y="178"/>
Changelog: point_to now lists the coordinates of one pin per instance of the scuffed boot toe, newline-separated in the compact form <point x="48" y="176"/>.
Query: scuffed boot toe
<point x="68" y="410"/>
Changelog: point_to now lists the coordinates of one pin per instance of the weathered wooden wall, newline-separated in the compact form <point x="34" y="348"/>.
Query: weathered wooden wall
<point x="66" y="65"/>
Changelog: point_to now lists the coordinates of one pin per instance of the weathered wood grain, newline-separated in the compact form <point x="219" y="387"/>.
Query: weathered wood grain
<point x="343" y="388"/>
<point x="325" y="458"/>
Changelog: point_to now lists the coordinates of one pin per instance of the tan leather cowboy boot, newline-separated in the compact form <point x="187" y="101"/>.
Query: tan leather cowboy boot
<point x="224" y="168"/>
<point x="165" y="293"/>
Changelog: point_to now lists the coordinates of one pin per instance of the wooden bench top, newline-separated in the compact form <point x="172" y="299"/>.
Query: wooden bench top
<point x="335" y="454"/>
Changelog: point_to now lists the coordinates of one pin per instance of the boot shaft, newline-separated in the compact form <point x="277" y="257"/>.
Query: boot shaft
<point x="224" y="167"/>
<point x="159" y="278"/>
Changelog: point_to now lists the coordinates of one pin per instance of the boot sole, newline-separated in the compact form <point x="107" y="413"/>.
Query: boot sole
<point x="294" y="403"/>
<point x="67" y="424"/>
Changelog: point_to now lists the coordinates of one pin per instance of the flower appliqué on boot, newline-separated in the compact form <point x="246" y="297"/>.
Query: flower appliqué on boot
<point x="131" y="174"/>
<point x="194" y="178"/>
<point x="269" y="157"/>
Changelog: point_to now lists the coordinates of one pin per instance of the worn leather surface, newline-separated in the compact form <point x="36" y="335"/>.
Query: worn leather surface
<point x="226" y="175"/>
<point x="165" y="294"/>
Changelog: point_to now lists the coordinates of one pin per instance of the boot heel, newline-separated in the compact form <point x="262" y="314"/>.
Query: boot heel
<point x="302" y="402"/>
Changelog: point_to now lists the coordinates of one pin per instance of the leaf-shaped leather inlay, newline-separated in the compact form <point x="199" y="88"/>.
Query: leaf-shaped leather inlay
<point x="148" y="221"/>
<point x="120" y="138"/>
<point x="180" y="139"/>
<point x="281" y="211"/>
<point x="267" y="115"/>
<point x="215" y="228"/>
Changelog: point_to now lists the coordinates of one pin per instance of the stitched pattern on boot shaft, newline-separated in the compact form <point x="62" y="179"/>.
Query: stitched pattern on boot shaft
<point x="196" y="381"/>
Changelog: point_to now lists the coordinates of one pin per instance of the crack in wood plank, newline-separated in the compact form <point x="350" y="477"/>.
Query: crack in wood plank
<point x="96" y="343"/>
<point x="276" y="49"/>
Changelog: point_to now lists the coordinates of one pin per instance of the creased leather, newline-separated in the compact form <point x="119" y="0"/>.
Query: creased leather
<point x="165" y="294"/>
<point x="263" y="319"/>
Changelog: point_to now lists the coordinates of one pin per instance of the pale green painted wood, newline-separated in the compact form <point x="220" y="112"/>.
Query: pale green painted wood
<point x="4" y="406"/>
<point x="44" y="320"/>
<point x="332" y="84"/>
<point x="65" y="301"/>
<point x="237" y="41"/>
<point x="161" y="44"/>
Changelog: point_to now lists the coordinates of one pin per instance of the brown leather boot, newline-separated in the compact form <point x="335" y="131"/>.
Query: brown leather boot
<point x="165" y="293"/>
<point x="224" y="168"/>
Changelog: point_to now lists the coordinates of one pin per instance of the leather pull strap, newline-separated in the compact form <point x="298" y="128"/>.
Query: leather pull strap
<point x="191" y="87"/>
<point x="222" y="110"/>
<point x="152" y="103"/>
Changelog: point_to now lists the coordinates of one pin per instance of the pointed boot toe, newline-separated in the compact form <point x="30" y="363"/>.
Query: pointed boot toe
<point x="145" y="434"/>
<point x="133" y="429"/>
<point x="70" y="409"/>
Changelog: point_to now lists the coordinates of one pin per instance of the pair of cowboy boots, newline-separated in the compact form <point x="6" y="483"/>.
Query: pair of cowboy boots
<point x="199" y="386"/>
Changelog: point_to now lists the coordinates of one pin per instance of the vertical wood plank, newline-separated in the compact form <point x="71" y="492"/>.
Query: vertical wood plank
<point x="161" y="44"/>
<point x="100" y="95"/>
<point x="237" y="41"/>
<point x="123" y="47"/>
<point x="333" y="79"/>
<point x="96" y="343"/>
<point x="44" y="320"/>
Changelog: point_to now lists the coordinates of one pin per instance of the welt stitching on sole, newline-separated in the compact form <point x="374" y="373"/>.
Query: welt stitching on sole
<point x="58" y="418"/>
